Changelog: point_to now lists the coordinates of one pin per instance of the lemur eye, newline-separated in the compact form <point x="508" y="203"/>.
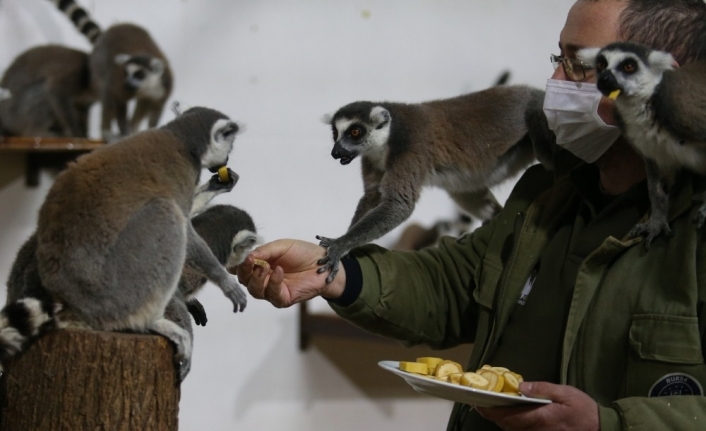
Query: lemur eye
<point x="629" y="66"/>
<point x="356" y="132"/>
<point x="601" y="65"/>
<point x="139" y="74"/>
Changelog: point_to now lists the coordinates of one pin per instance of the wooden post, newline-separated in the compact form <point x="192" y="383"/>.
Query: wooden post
<point x="81" y="380"/>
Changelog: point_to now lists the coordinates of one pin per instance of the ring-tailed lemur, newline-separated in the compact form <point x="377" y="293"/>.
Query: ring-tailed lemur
<point x="51" y="93"/>
<point x="464" y="145"/>
<point x="114" y="234"/>
<point x="125" y="64"/>
<point x="231" y="235"/>
<point x="662" y="112"/>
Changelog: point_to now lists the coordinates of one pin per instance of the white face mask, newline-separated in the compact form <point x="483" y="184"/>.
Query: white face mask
<point x="572" y="112"/>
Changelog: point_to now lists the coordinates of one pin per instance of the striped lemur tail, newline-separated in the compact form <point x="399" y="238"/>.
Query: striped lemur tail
<point x="79" y="16"/>
<point x="22" y="322"/>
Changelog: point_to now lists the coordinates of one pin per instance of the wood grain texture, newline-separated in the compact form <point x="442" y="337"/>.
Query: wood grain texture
<point x="76" y="380"/>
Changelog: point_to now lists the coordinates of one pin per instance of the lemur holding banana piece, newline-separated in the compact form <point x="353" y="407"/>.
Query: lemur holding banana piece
<point x="114" y="234"/>
<point x="661" y="109"/>
<point x="125" y="64"/>
<point x="464" y="145"/>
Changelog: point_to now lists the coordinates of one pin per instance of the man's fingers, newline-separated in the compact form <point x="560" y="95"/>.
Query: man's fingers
<point x="273" y="291"/>
<point x="257" y="281"/>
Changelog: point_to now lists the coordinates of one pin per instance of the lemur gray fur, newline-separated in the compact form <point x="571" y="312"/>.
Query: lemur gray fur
<point x="114" y="233"/>
<point x="24" y="285"/>
<point x="464" y="145"/>
<point x="51" y="93"/>
<point x="125" y="64"/>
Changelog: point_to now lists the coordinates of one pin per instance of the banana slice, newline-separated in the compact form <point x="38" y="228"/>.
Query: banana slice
<point x="414" y="367"/>
<point x="496" y="380"/>
<point x="446" y="367"/>
<point x="455" y="378"/>
<point x="511" y="385"/>
<point x="614" y="94"/>
<point x="432" y="362"/>
<point x="474" y="380"/>
<point x="223" y="175"/>
<point x="262" y="263"/>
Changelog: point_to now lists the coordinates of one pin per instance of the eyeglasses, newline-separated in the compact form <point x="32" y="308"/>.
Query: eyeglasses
<point x="575" y="70"/>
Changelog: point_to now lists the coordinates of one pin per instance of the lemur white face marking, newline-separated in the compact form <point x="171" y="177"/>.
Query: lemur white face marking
<point x="633" y="75"/>
<point x="380" y="133"/>
<point x="222" y="136"/>
<point x="342" y="124"/>
<point x="243" y="243"/>
<point x="370" y="138"/>
<point x="146" y="80"/>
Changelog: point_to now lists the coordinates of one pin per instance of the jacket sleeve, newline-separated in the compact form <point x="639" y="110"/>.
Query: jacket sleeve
<point x="420" y="297"/>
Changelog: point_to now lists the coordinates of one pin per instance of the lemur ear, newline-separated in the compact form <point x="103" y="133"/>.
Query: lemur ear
<point x="661" y="60"/>
<point x="121" y="59"/>
<point x="326" y="119"/>
<point x="588" y="55"/>
<point x="178" y="108"/>
<point x="379" y="116"/>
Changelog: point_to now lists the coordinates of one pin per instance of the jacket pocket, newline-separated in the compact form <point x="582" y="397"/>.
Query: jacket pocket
<point x="665" y="357"/>
<point x="487" y="283"/>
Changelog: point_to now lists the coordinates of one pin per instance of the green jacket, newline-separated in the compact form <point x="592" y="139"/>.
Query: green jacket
<point x="635" y="317"/>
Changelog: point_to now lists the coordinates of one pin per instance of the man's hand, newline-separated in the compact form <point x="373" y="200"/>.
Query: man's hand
<point x="570" y="409"/>
<point x="292" y="276"/>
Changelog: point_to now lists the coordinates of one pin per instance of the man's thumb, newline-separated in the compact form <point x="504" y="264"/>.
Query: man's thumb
<point x="537" y="389"/>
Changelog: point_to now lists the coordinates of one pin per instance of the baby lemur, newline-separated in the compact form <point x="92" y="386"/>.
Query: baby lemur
<point x="114" y="233"/>
<point x="230" y="234"/>
<point x="50" y="94"/>
<point x="125" y="64"/>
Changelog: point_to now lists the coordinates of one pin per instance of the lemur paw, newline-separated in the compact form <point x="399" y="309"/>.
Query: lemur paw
<point x="182" y="343"/>
<point x="330" y="262"/>
<point x="650" y="230"/>
<point x="197" y="311"/>
<point x="215" y="184"/>
<point x="236" y="294"/>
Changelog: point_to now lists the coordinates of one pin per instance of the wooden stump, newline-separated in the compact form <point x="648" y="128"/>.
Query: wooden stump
<point x="76" y="380"/>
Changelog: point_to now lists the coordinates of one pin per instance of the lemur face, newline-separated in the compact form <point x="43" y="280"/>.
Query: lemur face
<point x="355" y="135"/>
<point x="626" y="69"/>
<point x="222" y="136"/>
<point x="142" y="73"/>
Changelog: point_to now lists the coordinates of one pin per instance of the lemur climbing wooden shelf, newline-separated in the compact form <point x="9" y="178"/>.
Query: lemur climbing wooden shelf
<point x="47" y="152"/>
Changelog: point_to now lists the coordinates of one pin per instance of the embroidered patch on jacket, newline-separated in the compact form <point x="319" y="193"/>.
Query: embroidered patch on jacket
<point x="676" y="384"/>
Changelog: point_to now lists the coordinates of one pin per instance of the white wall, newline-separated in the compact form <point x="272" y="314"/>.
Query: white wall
<point x="277" y="66"/>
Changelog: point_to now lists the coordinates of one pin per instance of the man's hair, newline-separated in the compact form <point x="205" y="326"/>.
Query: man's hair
<point x="674" y="26"/>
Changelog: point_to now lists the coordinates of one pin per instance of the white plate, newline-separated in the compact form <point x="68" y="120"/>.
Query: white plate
<point x="458" y="393"/>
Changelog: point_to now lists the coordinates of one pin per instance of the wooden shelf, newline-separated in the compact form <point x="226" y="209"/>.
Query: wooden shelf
<point x="330" y="325"/>
<point x="47" y="152"/>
